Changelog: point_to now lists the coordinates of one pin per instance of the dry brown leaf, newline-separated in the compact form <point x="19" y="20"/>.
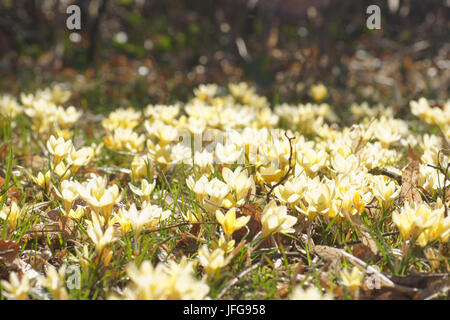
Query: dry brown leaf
<point x="59" y="256"/>
<point x="40" y="231"/>
<point x="188" y="242"/>
<point x="13" y="193"/>
<point x="34" y="162"/>
<point x="65" y="224"/>
<point x="254" y="225"/>
<point x="410" y="176"/>
<point x="57" y="224"/>
<point x="427" y="285"/>
<point x="196" y="230"/>
<point x="361" y="231"/>
<point x="363" y="252"/>
<point x="37" y="259"/>
<point x="248" y="258"/>
<point x="9" y="250"/>
<point x="421" y="280"/>
<point x="386" y="293"/>
<point x="298" y="270"/>
<point x="283" y="291"/>
<point x="238" y="248"/>
<point x="328" y="253"/>
<point x="433" y="257"/>
<point x="333" y="258"/>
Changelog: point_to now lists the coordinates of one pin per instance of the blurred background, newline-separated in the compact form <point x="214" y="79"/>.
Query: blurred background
<point x="136" y="52"/>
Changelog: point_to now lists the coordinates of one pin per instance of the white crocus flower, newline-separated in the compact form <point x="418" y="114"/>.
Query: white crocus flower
<point x="99" y="238"/>
<point x="204" y="161"/>
<point x="198" y="187"/>
<point x="100" y="197"/>
<point x="55" y="283"/>
<point x="228" y="154"/>
<point x="145" y="190"/>
<point x="212" y="261"/>
<point x="275" y="219"/>
<point x="385" y="193"/>
<point x="69" y="192"/>
<point x="79" y="158"/>
<point x="216" y="191"/>
<point x="58" y="148"/>
<point x="311" y="293"/>
<point x="15" y="288"/>
<point x="155" y="215"/>
<point x="240" y="184"/>
<point x="344" y="165"/>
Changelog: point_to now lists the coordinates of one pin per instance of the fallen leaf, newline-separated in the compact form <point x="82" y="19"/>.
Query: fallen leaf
<point x="410" y="176"/>
<point x="36" y="258"/>
<point x="363" y="252"/>
<point x="187" y="244"/>
<point x="121" y="177"/>
<point x="386" y="293"/>
<point x="59" y="256"/>
<point x="423" y="285"/>
<point x="254" y="225"/>
<point x="9" y="250"/>
<point x="298" y="270"/>
<point x="196" y="230"/>
<point x="421" y="280"/>
<point x="362" y="232"/>
<point x="237" y="248"/>
<point x="34" y="162"/>
<point x="332" y="256"/>
<point x="328" y="253"/>
<point x="283" y="291"/>
<point x="66" y="225"/>
<point x="433" y="257"/>
<point x="56" y="224"/>
<point x="248" y="256"/>
<point x="14" y="194"/>
<point x="434" y="290"/>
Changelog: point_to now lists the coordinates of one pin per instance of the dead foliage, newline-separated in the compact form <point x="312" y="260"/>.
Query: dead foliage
<point x="410" y="176"/>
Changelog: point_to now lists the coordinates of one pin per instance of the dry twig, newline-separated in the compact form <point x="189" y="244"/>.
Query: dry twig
<point x="289" y="170"/>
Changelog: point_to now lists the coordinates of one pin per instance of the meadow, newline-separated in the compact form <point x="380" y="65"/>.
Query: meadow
<point x="224" y="150"/>
<point x="223" y="196"/>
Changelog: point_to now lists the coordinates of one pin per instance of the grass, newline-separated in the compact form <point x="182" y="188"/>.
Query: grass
<point x="258" y="268"/>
